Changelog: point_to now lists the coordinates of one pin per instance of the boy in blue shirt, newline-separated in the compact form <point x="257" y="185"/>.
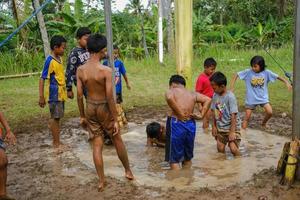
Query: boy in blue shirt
<point x="257" y="79"/>
<point x="119" y="72"/>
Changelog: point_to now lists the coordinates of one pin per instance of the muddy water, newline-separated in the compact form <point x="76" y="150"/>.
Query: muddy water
<point x="210" y="169"/>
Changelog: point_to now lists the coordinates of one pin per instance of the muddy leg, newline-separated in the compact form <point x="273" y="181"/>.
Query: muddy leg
<point x="248" y="113"/>
<point x="206" y="122"/>
<point x="234" y="148"/>
<point x="187" y="164"/>
<point x="98" y="160"/>
<point x="220" y="146"/>
<point x="122" y="154"/>
<point x="3" y="173"/>
<point x="268" y="114"/>
<point x="174" y="166"/>
<point x="54" y="128"/>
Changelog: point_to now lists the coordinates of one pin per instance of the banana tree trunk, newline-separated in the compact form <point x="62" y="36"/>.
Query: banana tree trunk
<point x="183" y="38"/>
<point x="42" y="27"/>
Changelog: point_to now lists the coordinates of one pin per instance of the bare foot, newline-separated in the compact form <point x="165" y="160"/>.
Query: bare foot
<point x="129" y="175"/>
<point x="101" y="186"/>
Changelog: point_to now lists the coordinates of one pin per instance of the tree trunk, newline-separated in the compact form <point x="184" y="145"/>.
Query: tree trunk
<point x="184" y="36"/>
<point x="281" y="8"/>
<point x="143" y="34"/>
<point x="42" y="27"/>
<point x="170" y="30"/>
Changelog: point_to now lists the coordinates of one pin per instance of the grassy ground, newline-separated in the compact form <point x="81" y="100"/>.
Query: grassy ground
<point x="149" y="80"/>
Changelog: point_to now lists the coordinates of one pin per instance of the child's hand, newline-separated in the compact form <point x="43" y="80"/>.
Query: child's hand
<point x="128" y="87"/>
<point x="214" y="131"/>
<point x="42" y="102"/>
<point x="116" y="129"/>
<point x="289" y="86"/>
<point x="196" y="116"/>
<point x="10" y="138"/>
<point x="70" y="94"/>
<point x="232" y="136"/>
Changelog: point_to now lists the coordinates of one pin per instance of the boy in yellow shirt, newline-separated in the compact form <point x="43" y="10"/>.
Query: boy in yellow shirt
<point x="56" y="93"/>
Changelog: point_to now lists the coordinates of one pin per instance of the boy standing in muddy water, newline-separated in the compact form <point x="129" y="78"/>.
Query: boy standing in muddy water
<point x="226" y="121"/>
<point x="101" y="113"/>
<point x="11" y="139"/>
<point x="183" y="126"/>
<point x="56" y="94"/>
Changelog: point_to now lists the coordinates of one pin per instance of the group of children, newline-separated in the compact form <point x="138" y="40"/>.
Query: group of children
<point x="94" y="83"/>
<point x="211" y="89"/>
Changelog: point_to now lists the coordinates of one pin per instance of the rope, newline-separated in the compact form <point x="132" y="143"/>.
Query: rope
<point x="287" y="74"/>
<point x="24" y="23"/>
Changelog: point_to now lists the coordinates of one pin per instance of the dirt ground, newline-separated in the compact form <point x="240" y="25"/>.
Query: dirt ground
<point x="36" y="171"/>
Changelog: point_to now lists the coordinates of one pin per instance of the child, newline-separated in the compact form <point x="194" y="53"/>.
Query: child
<point x="203" y="86"/>
<point x="101" y="112"/>
<point x="78" y="56"/>
<point x="11" y="139"/>
<point x="257" y="79"/>
<point x="182" y="125"/>
<point x="156" y="134"/>
<point x="119" y="70"/>
<point x="56" y="94"/>
<point x="226" y="121"/>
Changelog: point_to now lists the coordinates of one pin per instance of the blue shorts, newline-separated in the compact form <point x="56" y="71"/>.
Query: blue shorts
<point x="2" y="144"/>
<point x="182" y="140"/>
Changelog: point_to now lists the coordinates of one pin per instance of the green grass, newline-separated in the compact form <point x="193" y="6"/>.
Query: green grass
<point x="149" y="81"/>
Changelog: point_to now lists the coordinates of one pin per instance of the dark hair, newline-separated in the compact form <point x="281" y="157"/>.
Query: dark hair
<point x="209" y="62"/>
<point x="153" y="130"/>
<point x="56" y="41"/>
<point x="115" y="47"/>
<point x="96" y="43"/>
<point x="82" y="31"/>
<point x="177" y="79"/>
<point x="218" y="78"/>
<point x="259" y="60"/>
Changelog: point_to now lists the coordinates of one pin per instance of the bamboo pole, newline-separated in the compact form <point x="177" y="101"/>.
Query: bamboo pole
<point x="183" y="39"/>
<point x="160" y="32"/>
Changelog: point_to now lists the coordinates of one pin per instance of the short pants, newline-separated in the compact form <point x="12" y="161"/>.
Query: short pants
<point x="2" y="144"/>
<point x="182" y="140"/>
<point x="119" y="98"/>
<point x="99" y="118"/>
<point x="57" y="109"/>
<point x="253" y="106"/>
<point x="223" y="137"/>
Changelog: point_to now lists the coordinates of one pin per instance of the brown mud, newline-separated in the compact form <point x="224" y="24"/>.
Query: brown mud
<point x="36" y="171"/>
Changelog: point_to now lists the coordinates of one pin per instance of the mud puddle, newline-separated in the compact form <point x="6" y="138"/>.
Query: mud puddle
<point x="210" y="169"/>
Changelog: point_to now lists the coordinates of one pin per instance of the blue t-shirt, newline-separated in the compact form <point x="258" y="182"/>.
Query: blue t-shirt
<point x="257" y="85"/>
<point x="119" y="71"/>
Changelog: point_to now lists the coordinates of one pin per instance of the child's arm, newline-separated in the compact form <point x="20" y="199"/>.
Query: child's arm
<point x="205" y="101"/>
<point x="149" y="142"/>
<point x="42" y="101"/>
<point x="232" y="135"/>
<point x="80" y="98"/>
<point x="234" y="78"/>
<point x="10" y="137"/>
<point x="214" y="130"/>
<point x="159" y="144"/>
<point x="127" y="82"/>
<point x="286" y="82"/>
<point x="70" y="71"/>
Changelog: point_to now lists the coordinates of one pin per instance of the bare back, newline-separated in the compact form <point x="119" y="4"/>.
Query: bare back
<point x="94" y="78"/>
<point x="185" y="100"/>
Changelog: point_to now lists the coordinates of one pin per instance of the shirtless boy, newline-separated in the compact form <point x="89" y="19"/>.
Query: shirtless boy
<point x="183" y="126"/>
<point x="101" y="113"/>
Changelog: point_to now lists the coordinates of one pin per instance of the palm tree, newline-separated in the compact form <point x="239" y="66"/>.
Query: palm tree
<point x="42" y="27"/>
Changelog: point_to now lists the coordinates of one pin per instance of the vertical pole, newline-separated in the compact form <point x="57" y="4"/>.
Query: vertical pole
<point x="109" y="36"/>
<point x="160" y="32"/>
<point x="183" y="39"/>
<point x="296" y="75"/>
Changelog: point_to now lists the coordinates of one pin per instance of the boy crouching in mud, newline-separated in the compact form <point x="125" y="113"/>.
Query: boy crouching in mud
<point x="101" y="113"/>
<point x="183" y="126"/>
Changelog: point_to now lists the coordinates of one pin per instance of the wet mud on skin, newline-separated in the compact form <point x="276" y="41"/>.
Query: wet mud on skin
<point x="36" y="171"/>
